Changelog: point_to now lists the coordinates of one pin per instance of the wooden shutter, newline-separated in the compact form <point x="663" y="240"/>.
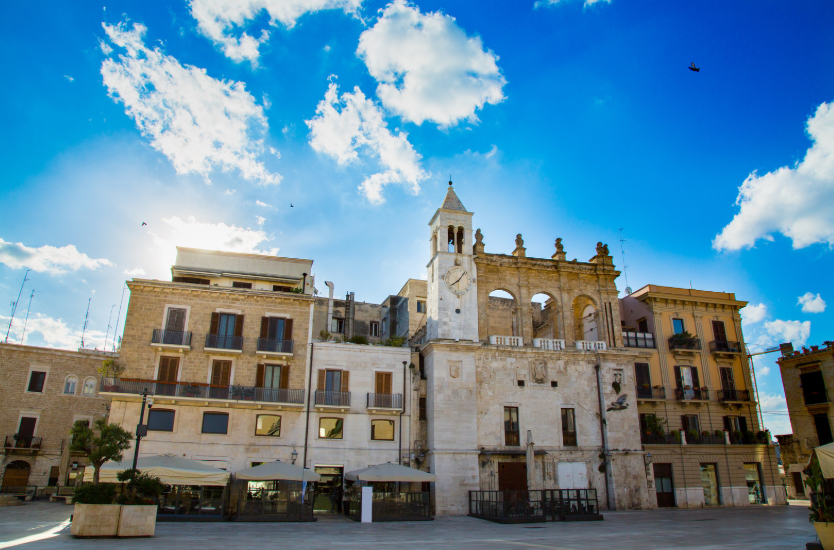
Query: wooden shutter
<point x="386" y="382"/>
<point x="684" y="423"/>
<point x="695" y="382"/>
<point x="285" y="377"/>
<point x="678" y="379"/>
<point x="345" y="380"/>
<point x="259" y="377"/>
<point x="168" y="369"/>
<point x="641" y="371"/>
<point x="215" y="323"/>
<point x="718" y="331"/>
<point x="322" y="379"/>
<point x="239" y="325"/>
<point x="287" y="329"/>
<point x="380" y="381"/>
<point x="176" y="320"/>
<point x="264" y="327"/>
<point x="221" y="372"/>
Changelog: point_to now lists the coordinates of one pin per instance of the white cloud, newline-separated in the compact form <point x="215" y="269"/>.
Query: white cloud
<point x="217" y="18"/>
<point x="326" y="47"/>
<point x="53" y="333"/>
<point x="68" y="77"/>
<point x="230" y="191"/>
<point x="811" y="303"/>
<point x="345" y="126"/>
<point x="49" y="259"/>
<point x="540" y="3"/>
<point x="198" y="122"/>
<point x="275" y="152"/>
<point x="263" y="204"/>
<point x="427" y="67"/>
<point x="136" y="272"/>
<point x="778" y="331"/>
<point x="797" y="202"/>
<point x="104" y="47"/>
<point x="775" y="413"/>
<point x="753" y="313"/>
<point x="261" y="220"/>
<point x="764" y="371"/>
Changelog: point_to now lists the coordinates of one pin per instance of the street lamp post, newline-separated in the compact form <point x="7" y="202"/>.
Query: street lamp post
<point x="141" y="429"/>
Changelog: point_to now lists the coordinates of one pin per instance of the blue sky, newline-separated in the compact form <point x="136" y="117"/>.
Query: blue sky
<point x="207" y="119"/>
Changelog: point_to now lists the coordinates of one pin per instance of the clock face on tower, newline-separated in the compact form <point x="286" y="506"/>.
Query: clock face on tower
<point x="458" y="281"/>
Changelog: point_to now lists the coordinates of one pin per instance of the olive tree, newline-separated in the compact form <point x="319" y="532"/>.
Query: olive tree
<point x="100" y="443"/>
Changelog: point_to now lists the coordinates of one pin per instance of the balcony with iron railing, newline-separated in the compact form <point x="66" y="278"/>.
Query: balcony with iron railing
<point x="684" y="344"/>
<point x="196" y="390"/>
<point x="815" y="396"/>
<point x="644" y="392"/>
<point x="718" y="346"/>
<point x="171" y="338"/>
<point x="726" y="396"/>
<point x="393" y="401"/>
<point x="693" y="394"/>
<point x="658" y="439"/>
<point x="229" y="344"/>
<point x="275" y="346"/>
<point x="20" y="443"/>
<point x="332" y="398"/>
<point x="638" y="340"/>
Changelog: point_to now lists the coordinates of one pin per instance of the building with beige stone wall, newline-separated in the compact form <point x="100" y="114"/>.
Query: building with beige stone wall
<point x="44" y="391"/>
<point x="691" y="373"/>
<point x="806" y="376"/>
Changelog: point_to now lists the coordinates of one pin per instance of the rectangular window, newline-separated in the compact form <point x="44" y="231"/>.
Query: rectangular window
<point x="333" y="380"/>
<point x="709" y="480"/>
<point x="192" y="280"/>
<point x="511" y="429"/>
<point x="718" y="331"/>
<point x="26" y="430"/>
<point x="647" y="420"/>
<point x="690" y="424"/>
<point x="337" y="326"/>
<point x="69" y="385"/>
<point x="642" y="379"/>
<point x="382" y="430"/>
<point x="272" y="376"/>
<point x="733" y="425"/>
<point x="823" y="428"/>
<point x="281" y="288"/>
<point x="221" y="373"/>
<point x="330" y="428"/>
<point x="727" y="381"/>
<point x="374" y="328"/>
<point x="384" y="326"/>
<point x="568" y="428"/>
<point x="753" y="476"/>
<point x="239" y="284"/>
<point x="176" y="319"/>
<point x="813" y="388"/>
<point x="161" y="420"/>
<point x="268" y="424"/>
<point x="677" y="326"/>
<point x="36" y="381"/>
<point x="422" y="408"/>
<point x="642" y="325"/>
<point x="215" y="423"/>
<point x="421" y="306"/>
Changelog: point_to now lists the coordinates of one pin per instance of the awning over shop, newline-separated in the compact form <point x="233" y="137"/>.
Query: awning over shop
<point x="389" y="472"/>
<point x="172" y="470"/>
<point x="825" y="454"/>
<point x="274" y="471"/>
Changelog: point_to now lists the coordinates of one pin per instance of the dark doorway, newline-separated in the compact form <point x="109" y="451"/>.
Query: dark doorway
<point x="16" y="475"/>
<point x="512" y="476"/>
<point x="664" y="486"/>
<point x="823" y="428"/>
<point x="327" y="498"/>
<point x="797" y="484"/>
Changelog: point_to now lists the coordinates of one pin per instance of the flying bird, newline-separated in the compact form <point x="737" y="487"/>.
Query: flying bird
<point x="291" y="206"/>
<point x="143" y="224"/>
<point x="619" y="405"/>
<point x="694" y="68"/>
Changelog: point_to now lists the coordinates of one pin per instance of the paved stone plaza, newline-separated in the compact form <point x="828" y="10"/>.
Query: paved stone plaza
<point x="783" y="527"/>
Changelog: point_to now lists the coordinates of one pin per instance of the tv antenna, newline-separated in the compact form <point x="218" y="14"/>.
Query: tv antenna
<point x="14" y="304"/>
<point x="86" y="318"/>
<point x="622" y="252"/>
<point x="119" y="316"/>
<point x="107" y="334"/>
<point x="28" y="309"/>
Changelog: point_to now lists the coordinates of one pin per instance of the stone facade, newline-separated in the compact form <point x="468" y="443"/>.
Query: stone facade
<point x="54" y="408"/>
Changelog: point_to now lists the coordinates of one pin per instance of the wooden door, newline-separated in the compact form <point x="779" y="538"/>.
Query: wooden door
<point x="168" y="367"/>
<point x="221" y="374"/>
<point x="664" y="486"/>
<point x="176" y="320"/>
<point x="718" y="331"/>
<point x="512" y="476"/>
<point x="383" y="382"/>
<point x="27" y="428"/>
<point x="16" y="475"/>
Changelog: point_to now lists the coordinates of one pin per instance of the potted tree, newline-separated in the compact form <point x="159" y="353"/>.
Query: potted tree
<point x="822" y="514"/>
<point x="109" y="370"/>
<point x="95" y="515"/>
<point x="139" y="503"/>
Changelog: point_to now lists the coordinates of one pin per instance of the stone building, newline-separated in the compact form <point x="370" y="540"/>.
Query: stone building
<point x="44" y="391"/>
<point x="806" y="377"/>
<point x="698" y="415"/>
<point x="348" y="318"/>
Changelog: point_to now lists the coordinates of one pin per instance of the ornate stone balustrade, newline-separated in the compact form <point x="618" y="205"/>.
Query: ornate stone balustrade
<point x="514" y="341"/>
<point x="548" y="344"/>
<point x="590" y="345"/>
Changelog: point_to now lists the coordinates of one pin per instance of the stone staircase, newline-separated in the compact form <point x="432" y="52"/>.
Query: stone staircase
<point x="10" y="500"/>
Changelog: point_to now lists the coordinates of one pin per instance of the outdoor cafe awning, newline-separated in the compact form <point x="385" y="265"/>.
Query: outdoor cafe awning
<point x="825" y="454"/>
<point x="389" y="472"/>
<point x="172" y="470"/>
<point x="274" y="471"/>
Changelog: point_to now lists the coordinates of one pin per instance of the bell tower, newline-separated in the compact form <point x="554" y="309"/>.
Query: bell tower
<point x="452" y="277"/>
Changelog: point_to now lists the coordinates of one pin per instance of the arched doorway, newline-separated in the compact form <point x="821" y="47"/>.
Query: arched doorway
<point x="502" y="316"/>
<point x="545" y="316"/>
<point x="16" y="474"/>
<point x="589" y="323"/>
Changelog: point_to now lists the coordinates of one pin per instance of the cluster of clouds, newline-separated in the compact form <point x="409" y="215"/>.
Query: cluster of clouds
<point x="794" y="201"/>
<point x="48" y="259"/>
<point x="46" y="331"/>
<point x="772" y="333"/>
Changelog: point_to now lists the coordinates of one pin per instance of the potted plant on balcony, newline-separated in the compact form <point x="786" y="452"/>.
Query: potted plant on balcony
<point x="683" y="340"/>
<point x="762" y="437"/>
<point x="737" y="437"/>
<point x="190" y="390"/>
<point x="822" y="515"/>
<point x="109" y="370"/>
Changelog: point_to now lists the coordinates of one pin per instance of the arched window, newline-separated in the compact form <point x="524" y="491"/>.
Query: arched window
<point x="89" y="388"/>
<point x="589" y="323"/>
<point x="69" y="385"/>
<point x="451" y="239"/>
<point x="460" y="240"/>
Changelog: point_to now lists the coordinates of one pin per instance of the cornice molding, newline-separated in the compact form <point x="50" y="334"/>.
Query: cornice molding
<point x="186" y="288"/>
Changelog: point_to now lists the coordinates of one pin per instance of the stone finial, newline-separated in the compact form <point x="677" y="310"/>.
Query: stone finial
<point x="560" y="251"/>
<point x="600" y="250"/>
<point x="478" y="247"/>
<point x="602" y="256"/>
<point x="520" y="251"/>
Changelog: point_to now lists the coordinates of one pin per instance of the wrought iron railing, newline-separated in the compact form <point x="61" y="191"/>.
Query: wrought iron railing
<point x="694" y="394"/>
<point x="720" y="346"/>
<point x="333" y="398"/>
<point x="702" y="439"/>
<point x="534" y="506"/>
<point x="733" y="395"/>
<point x="202" y="391"/>
<point x="385" y="400"/>
<point x="394" y="506"/>
<point x="23" y="442"/>
<point x="638" y="340"/>
<point x="170" y="337"/>
<point x="684" y="344"/>
<point x="650" y="393"/>
<point x="659" y="439"/>
<point x="815" y="396"/>
<point x="272" y="345"/>
<point x="215" y="341"/>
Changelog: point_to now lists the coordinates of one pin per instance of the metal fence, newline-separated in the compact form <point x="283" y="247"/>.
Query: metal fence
<point x="215" y="341"/>
<point x="171" y="337"/>
<point x="392" y="506"/>
<point x="535" y="506"/>
<point x="272" y="345"/>
<point x="274" y="501"/>
<point x="23" y="442"/>
<point x="650" y="393"/>
<point x="192" y="503"/>
<point x="385" y="400"/>
<point x="202" y="391"/>
<point x="333" y="398"/>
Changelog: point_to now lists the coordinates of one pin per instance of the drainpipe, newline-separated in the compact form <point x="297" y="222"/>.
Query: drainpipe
<point x="309" y="385"/>
<point x="609" y="481"/>
<point x="329" y="306"/>
<point x="304" y="284"/>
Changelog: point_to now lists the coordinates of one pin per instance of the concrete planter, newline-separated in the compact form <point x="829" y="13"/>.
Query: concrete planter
<point x="825" y="531"/>
<point x="113" y="520"/>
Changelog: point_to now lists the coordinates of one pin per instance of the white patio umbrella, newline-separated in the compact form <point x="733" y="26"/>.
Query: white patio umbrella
<point x="389" y="472"/>
<point x="172" y="470"/>
<point x="274" y="471"/>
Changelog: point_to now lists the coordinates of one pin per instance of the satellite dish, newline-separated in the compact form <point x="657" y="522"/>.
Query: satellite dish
<point x="628" y="290"/>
